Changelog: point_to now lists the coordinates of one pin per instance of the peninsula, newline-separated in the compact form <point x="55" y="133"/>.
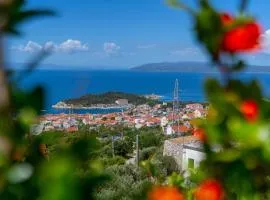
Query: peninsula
<point x="107" y="100"/>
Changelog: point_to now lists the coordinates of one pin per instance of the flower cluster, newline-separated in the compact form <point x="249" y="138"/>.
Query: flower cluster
<point x="235" y="134"/>
<point x="240" y="38"/>
<point x="208" y="190"/>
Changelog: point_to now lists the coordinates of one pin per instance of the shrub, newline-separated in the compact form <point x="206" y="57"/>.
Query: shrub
<point x="146" y="153"/>
<point x="109" y="161"/>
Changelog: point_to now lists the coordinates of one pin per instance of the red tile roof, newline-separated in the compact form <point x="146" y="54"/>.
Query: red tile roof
<point x="72" y="129"/>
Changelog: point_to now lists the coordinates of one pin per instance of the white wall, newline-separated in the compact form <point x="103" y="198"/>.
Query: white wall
<point x="198" y="156"/>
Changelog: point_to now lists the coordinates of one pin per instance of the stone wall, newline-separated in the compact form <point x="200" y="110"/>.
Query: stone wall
<point x="174" y="148"/>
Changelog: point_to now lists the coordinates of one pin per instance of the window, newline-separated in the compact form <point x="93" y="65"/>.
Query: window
<point x="190" y="163"/>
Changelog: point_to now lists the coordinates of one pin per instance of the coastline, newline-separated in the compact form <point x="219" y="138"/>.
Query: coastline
<point x="103" y="106"/>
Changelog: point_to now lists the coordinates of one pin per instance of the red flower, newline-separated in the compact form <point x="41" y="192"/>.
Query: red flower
<point x="165" y="193"/>
<point x="250" y="110"/>
<point x="242" y="39"/>
<point x="226" y="19"/>
<point x="200" y="134"/>
<point x="209" y="190"/>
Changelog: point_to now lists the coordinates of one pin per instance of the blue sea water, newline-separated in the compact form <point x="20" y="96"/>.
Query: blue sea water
<point x="63" y="84"/>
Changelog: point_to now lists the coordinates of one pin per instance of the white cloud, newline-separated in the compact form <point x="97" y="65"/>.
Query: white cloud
<point x="148" y="46"/>
<point x="265" y="41"/>
<point x="71" y="46"/>
<point x="50" y="46"/>
<point x="68" y="46"/>
<point x="111" y="49"/>
<point x="30" y="47"/>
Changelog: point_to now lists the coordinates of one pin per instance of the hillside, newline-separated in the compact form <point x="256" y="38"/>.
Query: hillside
<point x="189" y="67"/>
<point x="106" y="98"/>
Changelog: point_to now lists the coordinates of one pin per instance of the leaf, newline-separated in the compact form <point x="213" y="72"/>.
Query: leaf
<point x="14" y="14"/>
<point x="33" y="64"/>
<point x="255" y="90"/>
<point x="36" y="13"/>
<point x="181" y="5"/>
<point x="239" y="66"/>
<point x="209" y="29"/>
<point x="228" y="155"/>
<point x="214" y="91"/>
<point x="176" y="4"/>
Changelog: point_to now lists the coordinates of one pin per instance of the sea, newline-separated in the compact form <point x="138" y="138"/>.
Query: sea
<point x="66" y="84"/>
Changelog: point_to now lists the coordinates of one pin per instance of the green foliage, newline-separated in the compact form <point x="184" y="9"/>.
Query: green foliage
<point x="109" y="161"/>
<point x="123" y="178"/>
<point x="147" y="153"/>
<point x="123" y="147"/>
<point x="237" y="147"/>
<point x="150" y="138"/>
<point x="107" y="98"/>
<point x="13" y="13"/>
<point x="170" y="165"/>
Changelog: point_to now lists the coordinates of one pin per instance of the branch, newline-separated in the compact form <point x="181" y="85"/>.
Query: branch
<point x="4" y="94"/>
<point x="243" y="5"/>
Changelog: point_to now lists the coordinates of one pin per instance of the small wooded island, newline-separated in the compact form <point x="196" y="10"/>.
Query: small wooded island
<point x="107" y="100"/>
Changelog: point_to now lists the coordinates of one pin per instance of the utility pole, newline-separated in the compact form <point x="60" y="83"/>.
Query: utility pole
<point x="137" y="150"/>
<point x="176" y="109"/>
<point x="112" y="147"/>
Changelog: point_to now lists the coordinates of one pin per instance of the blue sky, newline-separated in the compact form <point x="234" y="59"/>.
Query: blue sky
<point x="120" y="33"/>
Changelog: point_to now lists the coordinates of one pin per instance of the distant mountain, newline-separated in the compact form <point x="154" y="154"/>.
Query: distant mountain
<point x="189" y="67"/>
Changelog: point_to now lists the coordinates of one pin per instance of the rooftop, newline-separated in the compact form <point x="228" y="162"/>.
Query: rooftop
<point x="183" y="140"/>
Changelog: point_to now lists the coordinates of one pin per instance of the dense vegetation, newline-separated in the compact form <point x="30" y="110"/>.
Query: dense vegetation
<point x="107" y="98"/>
<point x="121" y="167"/>
<point x="237" y="123"/>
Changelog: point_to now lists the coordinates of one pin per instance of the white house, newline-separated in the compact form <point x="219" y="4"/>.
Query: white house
<point x="197" y="114"/>
<point x="185" y="117"/>
<point x="193" y="154"/>
<point x="175" y="147"/>
<point x="194" y="106"/>
<point x="164" y="122"/>
<point x="169" y="130"/>
<point x="138" y="126"/>
<point x="121" y="102"/>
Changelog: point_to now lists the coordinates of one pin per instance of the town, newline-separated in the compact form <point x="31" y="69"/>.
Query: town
<point x="140" y="116"/>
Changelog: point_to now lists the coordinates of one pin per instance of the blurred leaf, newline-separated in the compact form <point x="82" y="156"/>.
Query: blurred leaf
<point x="14" y="14"/>
<point x="229" y="155"/>
<point x="176" y="180"/>
<point x="179" y="4"/>
<point x="240" y="65"/>
<point x="32" y="99"/>
<point x="255" y="90"/>
<point x="175" y="3"/>
<point x="209" y="29"/>
<point x="33" y="64"/>
<point x="20" y="172"/>
<point x="214" y="93"/>
<point x="27" y="116"/>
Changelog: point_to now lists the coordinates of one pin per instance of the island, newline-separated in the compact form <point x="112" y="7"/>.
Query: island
<point x="107" y="100"/>
<point x="191" y="67"/>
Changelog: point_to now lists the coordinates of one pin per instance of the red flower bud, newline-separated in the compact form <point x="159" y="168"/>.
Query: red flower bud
<point x="200" y="134"/>
<point x="250" y="110"/>
<point x="226" y="19"/>
<point x="242" y="39"/>
<point x="209" y="190"/>
<point x="165" y="193"/>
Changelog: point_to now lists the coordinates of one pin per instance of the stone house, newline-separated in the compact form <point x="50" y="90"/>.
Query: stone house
<point x="182" y="150"/>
